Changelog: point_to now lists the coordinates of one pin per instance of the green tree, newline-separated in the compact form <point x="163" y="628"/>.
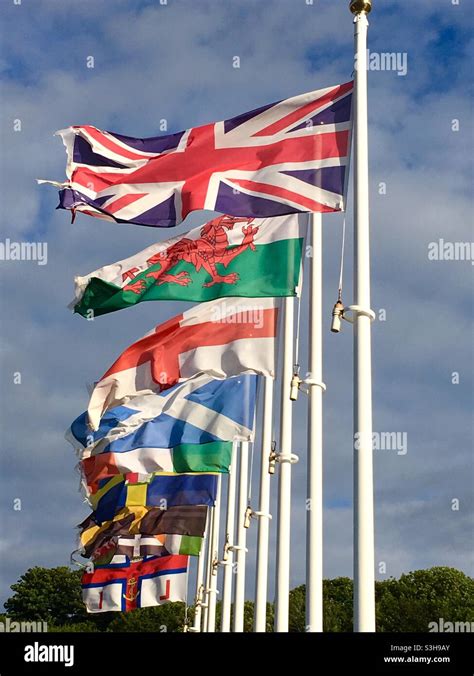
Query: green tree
<point x="249" y="611"/>
<point x="297" y="604"/>
<point x="338" y="604"/>
<point x="90" y="626"/>
<point x="424" y="596"/>
<point x="159" y="619"/>
<point x="53" y="595"/>
<point x="50" y="595"/>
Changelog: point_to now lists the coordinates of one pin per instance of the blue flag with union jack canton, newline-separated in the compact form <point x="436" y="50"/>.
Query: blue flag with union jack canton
<point x="287" y="157"/>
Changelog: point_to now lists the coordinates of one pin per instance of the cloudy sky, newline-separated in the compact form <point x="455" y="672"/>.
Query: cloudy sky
<point x="174" y="61"/>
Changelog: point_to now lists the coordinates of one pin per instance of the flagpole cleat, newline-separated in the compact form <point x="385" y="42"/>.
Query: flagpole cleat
<point x="311" y="382"/>
<point x="251" y="514"/>
<point x="262" y="515"/>
<point x="292" y="458"/>
<point x="237" y="548"/>
<point x="356" y="310"/>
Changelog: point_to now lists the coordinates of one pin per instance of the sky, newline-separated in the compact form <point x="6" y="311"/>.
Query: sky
<point x="173" y="61"/>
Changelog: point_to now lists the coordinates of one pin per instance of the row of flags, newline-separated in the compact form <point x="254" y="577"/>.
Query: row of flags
<point x="150" y="473"/>
<point x="163" y="422"/>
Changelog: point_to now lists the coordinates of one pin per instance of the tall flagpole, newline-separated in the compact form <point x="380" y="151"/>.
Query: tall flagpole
<point x="238" y="624"/>
<point x="364" y="562"/>
<point x="314" y="505"/>
<point x="263" y="514"/>
<point x="200" y="584"/>
<point x="214" y="558"/>
<point x="208" y="572"/>
<point x="284" y="486"/>
<point x="228" y="558"/>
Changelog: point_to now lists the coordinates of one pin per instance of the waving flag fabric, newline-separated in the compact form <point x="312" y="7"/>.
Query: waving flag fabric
<point x="286" y="157"/>
<point x="121" y="550"/>
<point x="198" y="411"/>
<point x="150" y="582"/>
<point x="219" y="338"/>
<point x="162" y="490"/>
<point x="223" y="258"/>
<point x="211" y="457"/>
<point x="186" y="520"/>
<point x="157" y="545"/>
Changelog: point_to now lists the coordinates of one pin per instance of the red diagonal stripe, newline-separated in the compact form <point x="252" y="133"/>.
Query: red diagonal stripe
<point x="107" y="142"/>
<point x="94" y="180"/>
<point x="124" y="201"/>
<point x="275" y="191"/>
<point x="297" y="115"/>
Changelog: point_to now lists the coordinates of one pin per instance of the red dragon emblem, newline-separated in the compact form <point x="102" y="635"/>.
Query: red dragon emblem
<point x="206" y="252"/>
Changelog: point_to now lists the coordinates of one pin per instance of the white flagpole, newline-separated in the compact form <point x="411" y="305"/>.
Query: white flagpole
<point x="263" y="514"/>
<point x="207" y="584"/>
<point x="364" y="562"/>
<point x="314" y="505"/>
<point x="284" y="486"/>
<point x="199" y="586"/>
<point x="238" y="623"/>
<point x="211" y="621"/>
<point x="228" y="558"/>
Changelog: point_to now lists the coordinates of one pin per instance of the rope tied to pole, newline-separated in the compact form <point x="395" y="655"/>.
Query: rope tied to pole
<point x="338" y="309"/>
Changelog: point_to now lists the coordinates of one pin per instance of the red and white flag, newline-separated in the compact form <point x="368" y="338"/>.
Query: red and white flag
<point x="150" y="582"/>
<point x="220" y="338"/>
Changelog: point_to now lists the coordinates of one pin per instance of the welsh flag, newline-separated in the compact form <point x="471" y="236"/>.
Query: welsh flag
<point x="228" y="256"/>
<point x="221" y="338"/>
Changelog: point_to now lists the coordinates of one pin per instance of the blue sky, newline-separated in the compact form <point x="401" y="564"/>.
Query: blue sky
<point x="174" y="62"/>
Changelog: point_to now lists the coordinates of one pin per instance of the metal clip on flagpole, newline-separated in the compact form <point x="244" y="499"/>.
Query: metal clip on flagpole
<point x="358" y="311"/>
<point x="349" y="313"/>
<point x="292" y="458"/>
<point x="252" y="514"/>
<point x="298" y="384"/>
<point x="272" y="459"/>
<point x="225" y="554"/>
<point x="236" y="548"/>
<point x="295" y="383"/>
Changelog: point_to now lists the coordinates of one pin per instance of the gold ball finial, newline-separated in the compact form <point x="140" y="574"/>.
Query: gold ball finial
<point x="359" y="6"/>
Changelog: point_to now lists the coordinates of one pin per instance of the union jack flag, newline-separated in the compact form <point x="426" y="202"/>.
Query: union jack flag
<point x="286" y="157"/>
